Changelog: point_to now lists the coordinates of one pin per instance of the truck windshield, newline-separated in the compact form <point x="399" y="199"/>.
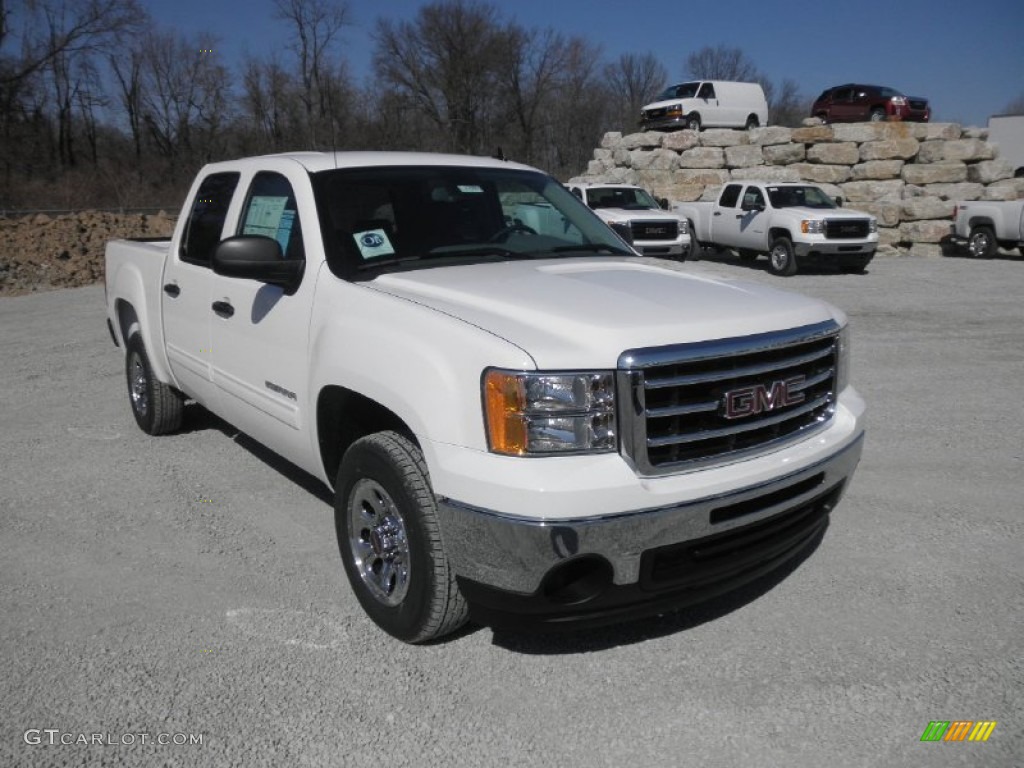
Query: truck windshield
<point x="404" y="217"/>
<point x="799" y="197"/>
<point x="620" y="197"/>
<point x="681" y="91"/>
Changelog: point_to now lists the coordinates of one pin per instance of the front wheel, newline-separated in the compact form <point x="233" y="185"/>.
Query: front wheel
<point x="385" y="517"/>
<point x="781" y="257"/>
<point x="693" y="122"/>
<point x="157" y="407"/>
<point x="877" y="115"/>
<point x="982" y="243"/>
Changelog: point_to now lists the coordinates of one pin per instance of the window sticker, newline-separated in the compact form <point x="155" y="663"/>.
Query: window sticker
<point x="373" y="243"/>
<point x="471" y="189"/>
<point x="264" y="217"/>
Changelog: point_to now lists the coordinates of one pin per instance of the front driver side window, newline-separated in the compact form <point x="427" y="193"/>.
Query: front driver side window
<point x="271" y="211"/>
<point x="206" y="219"/>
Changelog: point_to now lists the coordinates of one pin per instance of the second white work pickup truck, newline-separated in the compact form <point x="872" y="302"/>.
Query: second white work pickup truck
<point x="790" y="221"/>
<point x="523" y="421"/>
<point x="985" y="226"/>
<point x="636" y="215"/>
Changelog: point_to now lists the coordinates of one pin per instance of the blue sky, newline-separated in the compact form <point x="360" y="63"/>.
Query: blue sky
<point x="966" y="57"/>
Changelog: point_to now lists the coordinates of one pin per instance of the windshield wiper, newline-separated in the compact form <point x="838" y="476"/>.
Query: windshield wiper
<point x="592" y="248"/>
<point x="387" y="262"/>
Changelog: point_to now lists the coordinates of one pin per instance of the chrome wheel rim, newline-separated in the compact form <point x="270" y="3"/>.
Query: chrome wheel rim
<point x="979" y="244"/>
<point x="137" y="388"/>
<point x="779" y="257"/>
<point x="379" y="545"/>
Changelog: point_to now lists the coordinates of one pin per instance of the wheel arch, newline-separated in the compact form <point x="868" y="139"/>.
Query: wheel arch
<point x="343" y="416"/>
<point x="775" y="232"/>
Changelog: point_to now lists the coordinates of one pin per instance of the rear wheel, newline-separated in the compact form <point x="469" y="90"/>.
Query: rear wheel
<point x="157" y="407"/>
<point x="781" y="257"/>
<point x="982" y="243"/>
<point x="385" y="517"/>
<point x="752" y="122"/>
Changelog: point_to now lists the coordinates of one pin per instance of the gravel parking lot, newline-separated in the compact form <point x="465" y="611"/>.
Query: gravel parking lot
<point x="188" y="588"/>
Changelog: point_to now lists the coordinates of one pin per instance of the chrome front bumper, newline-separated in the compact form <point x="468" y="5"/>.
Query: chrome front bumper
<point x="514" y="554"/>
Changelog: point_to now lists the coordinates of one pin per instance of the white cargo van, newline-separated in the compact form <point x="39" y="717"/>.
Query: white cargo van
<point x="1008" y="132"/>
<point x="707" y="104"/>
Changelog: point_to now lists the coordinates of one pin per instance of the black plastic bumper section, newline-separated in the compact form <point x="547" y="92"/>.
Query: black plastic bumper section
<point x="671" y="577"/>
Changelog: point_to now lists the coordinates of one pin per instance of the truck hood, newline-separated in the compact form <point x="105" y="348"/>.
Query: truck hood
<point x="583" y="313"/>
<point x="635" y="214"/>
<point x="823" y="213"/>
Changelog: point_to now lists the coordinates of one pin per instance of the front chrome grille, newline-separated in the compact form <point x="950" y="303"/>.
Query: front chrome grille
<point x="846" y="229"/>
<point x="655" y="230"/>
<point x="693" y="405"/>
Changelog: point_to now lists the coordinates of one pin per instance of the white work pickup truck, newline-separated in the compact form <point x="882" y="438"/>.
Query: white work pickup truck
<point x="789" y="221"/>
<point x="986" y="226"/>
<point x="523" y="422"/>
<point x="636" y="215"/>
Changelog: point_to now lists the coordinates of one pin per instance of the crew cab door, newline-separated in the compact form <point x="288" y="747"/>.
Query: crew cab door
<point x="752" y="220"/>
<point x="187" y="285"/>
<point x="260" y="332"/>
<point x="725" y="219"/>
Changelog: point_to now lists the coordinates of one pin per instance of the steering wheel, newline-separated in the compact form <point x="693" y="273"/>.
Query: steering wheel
<point x="502" y="234"/>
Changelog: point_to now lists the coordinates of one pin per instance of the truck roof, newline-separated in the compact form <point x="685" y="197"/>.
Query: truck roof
<point x="325" y="161"/>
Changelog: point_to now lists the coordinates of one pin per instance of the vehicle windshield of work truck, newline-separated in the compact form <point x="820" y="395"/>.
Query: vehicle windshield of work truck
<point x="627" y="198"/>
<point x="416" y="217"/>
<point x="799" y="197"/>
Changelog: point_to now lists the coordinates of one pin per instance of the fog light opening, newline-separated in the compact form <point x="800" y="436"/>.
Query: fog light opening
<point x="577" y="581"/>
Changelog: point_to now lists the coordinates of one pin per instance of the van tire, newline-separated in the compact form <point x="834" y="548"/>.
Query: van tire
<point x="693" y="122"/>
<point x="752" y="122"/>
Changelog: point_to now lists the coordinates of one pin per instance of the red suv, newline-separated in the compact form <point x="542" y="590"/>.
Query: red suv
<point x="853" y="103"/>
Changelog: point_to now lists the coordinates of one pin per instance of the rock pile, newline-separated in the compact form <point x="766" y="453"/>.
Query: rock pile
<point x="906" y="174"/>
<point x="39" y="252"/>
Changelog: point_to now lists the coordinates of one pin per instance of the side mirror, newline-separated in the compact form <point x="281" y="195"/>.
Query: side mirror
<point x="663" y="202"/>
<point x="752" y="207"/>
<point x="839" y="202"/>
<point x="255" y="257"/>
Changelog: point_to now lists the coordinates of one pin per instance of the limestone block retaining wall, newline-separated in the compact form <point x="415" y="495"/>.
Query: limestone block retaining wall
<point x="908" y="175"/>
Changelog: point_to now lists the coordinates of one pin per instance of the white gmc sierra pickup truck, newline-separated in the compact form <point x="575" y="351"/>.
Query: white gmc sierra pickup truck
<point x="523" y="422"/>
<point x="986" y="226"/>
<point x="636" y="215"/>
<point x="788" y="221"/>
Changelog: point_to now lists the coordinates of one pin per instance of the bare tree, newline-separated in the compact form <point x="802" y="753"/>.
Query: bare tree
<point x="444" y="63"/>
<point x="786" y="106"/>
<point x="636" y="80"/>
<point x="126" y="65"/>
<point x="316" y="24"/>
<point x="721" y="63"/>
<point x="531" y="78"/>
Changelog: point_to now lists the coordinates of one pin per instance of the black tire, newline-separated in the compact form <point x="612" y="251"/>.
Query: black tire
<point x="782" y="257"/>
<point x="693" y="122"/>
<point x="395" y="561"/>
<point x="877" y="115"/>
<point x="752" y="122"/>
<point x="157" y="407"/>
<point x="982" y="242"/>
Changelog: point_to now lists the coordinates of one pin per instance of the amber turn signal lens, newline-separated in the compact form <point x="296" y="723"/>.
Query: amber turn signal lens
<point x="505" y="403"/>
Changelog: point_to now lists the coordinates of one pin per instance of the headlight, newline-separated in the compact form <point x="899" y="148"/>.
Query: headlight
<point x="812" y="226"/>
<point x="872" y="225"/>
<point x="842" y="359"/>
<point x="684" y="227"/>
<point x="549" y="413"/>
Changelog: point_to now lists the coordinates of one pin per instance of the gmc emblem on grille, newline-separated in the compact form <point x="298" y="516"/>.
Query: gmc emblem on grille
<point x="657" y="231"/>
<point x="759" y="398"/>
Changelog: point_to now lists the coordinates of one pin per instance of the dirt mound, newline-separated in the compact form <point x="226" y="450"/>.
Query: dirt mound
<point x="41" y="253"/>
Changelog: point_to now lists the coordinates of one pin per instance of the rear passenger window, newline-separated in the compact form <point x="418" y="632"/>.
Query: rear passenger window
<point x="271" y="211"/>
<point x="206" y="220"/>
<point x="729" y="196"/>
